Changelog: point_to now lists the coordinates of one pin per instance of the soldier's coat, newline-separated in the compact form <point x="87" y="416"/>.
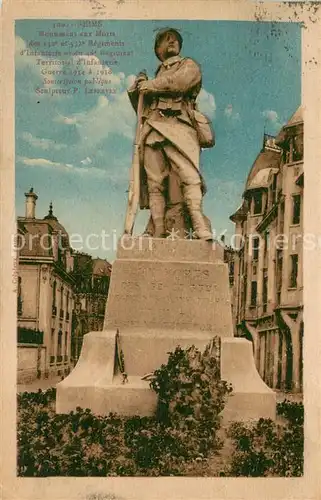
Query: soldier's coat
<point x="177" y="82"/>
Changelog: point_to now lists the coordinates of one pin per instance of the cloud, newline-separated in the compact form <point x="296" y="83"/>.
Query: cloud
<point x="20" y="59"/>
<point x="108" y="116"/>
<point x="130" y="80"/>
<point x="273" y="118"/>
<point x="231" y="114"/>
<point x="116" y="116"/>
<point x="117" y="175"/>
<point x="86" y="161"/>
<point x="42" y="143"/>
<point x="23" y="58"/>
<point x="62" y="167"/>
<point x="34" y="80"/>
<point x="66" y="120"/>
<point x="271" y="115"/>
<point x="38" y="162"/>
<point x="206" y="103"/>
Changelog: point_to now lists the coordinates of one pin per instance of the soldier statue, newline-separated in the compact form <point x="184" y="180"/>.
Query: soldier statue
<point x="172" y="134"/>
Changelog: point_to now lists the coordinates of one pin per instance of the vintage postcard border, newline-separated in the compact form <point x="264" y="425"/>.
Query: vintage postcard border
<point x="122" y="488"/>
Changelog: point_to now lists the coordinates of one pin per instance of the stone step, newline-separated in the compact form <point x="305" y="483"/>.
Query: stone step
<point x="133" y="398"/>
<point x="93" y="383"/>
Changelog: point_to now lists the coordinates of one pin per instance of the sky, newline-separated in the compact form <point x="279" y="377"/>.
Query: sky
<point x="75" y="150"/>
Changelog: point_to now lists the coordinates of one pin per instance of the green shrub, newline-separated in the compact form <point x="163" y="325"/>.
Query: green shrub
<point x="292" y="411"/>
<point x="78" y="444"/>
<point x="268" y="448"/>
<point x="191" y="398"/>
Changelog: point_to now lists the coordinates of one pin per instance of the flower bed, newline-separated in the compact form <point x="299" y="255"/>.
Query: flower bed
<point x="184" y="438"/>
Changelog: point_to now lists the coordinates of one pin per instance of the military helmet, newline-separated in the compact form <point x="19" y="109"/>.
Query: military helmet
<point x="162" y="32"/>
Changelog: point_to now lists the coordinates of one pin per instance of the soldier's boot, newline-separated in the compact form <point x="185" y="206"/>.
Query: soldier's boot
<point x="193" y="200"/>
<point x="157" y="210"/>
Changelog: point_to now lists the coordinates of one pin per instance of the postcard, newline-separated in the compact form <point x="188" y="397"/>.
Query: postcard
<point x="160" y="249"/>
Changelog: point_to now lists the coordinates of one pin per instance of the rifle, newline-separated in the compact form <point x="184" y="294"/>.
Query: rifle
<point x="134" y="180"/>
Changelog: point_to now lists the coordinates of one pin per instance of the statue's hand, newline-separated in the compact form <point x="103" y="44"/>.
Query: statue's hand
<point x="146" y="87"/>
<point x="141" y="77"/>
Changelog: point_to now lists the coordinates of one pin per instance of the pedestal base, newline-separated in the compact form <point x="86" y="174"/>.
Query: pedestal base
<point x="92" y="384"/>
<point x="163" y="294"/>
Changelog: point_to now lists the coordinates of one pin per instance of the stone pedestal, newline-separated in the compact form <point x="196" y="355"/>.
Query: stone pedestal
<point x="163" y="293"/>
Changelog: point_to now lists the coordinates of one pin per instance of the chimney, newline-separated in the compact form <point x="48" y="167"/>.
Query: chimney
<point x="31" y="198"/>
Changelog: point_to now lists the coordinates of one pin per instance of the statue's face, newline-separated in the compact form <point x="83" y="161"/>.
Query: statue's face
<point x="168" y="46"/>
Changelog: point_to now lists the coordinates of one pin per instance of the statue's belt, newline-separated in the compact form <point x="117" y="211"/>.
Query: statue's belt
<point x="172" y="103"/>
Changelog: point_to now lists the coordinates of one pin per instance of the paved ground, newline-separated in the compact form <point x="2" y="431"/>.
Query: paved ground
<point x="281" y="396"/>
<point x="39" y="384"/>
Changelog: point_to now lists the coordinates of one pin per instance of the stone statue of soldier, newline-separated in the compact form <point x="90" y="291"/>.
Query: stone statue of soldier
<point x="169" y="141"/>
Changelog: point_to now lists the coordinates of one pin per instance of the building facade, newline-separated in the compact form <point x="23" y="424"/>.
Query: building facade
<point x="91" y="285"/>
<point x="229" y="259"/>
<point x="268" y="274"/>
<point x="45" y="294"/>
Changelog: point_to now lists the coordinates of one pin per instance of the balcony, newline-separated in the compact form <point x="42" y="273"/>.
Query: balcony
<point x="29" y="336"/>
<point x="59" y="359"/>
<point x="54" y="310"/>
<point x="61" y="314"/>
<point x="52" y="360"/>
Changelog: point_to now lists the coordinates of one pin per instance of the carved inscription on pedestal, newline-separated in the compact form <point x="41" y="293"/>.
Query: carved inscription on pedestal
<point x="171" y="295"/>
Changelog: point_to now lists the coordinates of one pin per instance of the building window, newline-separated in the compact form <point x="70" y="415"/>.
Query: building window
<point x="278" y="272"/>
<point x="19" y="297"/>
<point x="231" y="272"/>
<point x="297" y="151"/>
<point x="62" y="303"/>
<point x="281" y="217"/>
<point x="255" y="248"/>
<point x="66" y="344"/>
<point x="54" y="291"/>
<point x="244" y="295"/>
<point x="67" y="305"/>
<point x="294" y="271"/>
<point x="54" y="298"/>
<point x="253" y="293"/>
<point x="266" y="240"/>
<point x="102" y="305"/>
<point x="286" y="153"/>
<point x="52" y="346"/>
<point x="296" y="208"/>
<point x="257" y="203"/>
<point x="273" y="188"/>
<point x="265" y="290"/>
<point x="59" y="346"/>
